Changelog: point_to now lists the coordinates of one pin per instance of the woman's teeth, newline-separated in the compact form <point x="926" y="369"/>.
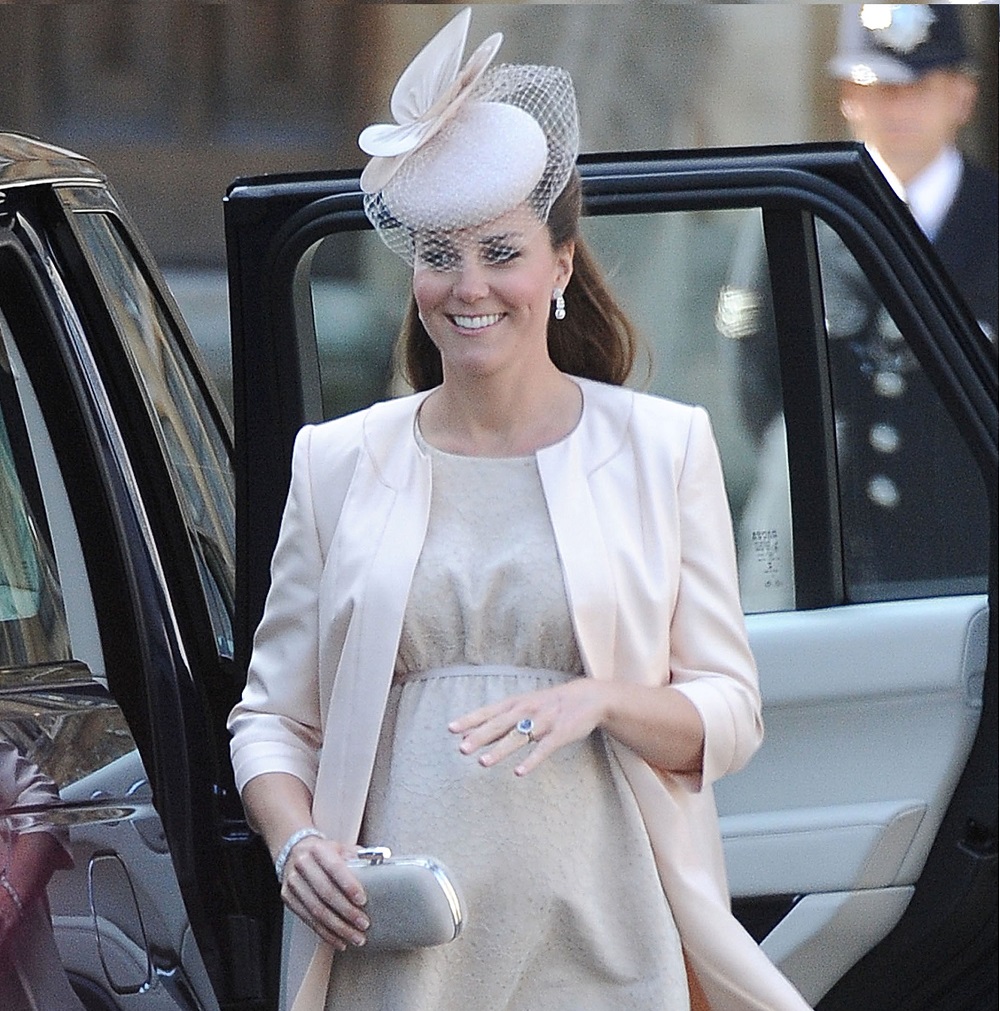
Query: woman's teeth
<point x="476" y="322"/>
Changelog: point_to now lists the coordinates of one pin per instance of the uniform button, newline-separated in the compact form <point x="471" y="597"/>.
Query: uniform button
<point x="883" y="437"/>
<point x="889" y="384"/>
<point x="883" y="492"/>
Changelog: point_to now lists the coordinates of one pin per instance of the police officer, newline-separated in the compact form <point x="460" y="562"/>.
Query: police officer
<point x="906" y="89"/>
<point x="912" y="502"/>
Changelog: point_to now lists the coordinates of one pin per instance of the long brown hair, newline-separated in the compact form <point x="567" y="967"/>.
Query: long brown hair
<point x="596" y="340"/>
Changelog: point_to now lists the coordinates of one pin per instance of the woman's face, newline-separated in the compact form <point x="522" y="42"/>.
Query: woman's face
<point x="484" y="294"/>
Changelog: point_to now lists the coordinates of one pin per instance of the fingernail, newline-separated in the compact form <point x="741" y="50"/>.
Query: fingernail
<point x="359" y="942"/>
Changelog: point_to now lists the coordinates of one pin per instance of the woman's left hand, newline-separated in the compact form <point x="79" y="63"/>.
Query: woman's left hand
<point x="558" y="716"/>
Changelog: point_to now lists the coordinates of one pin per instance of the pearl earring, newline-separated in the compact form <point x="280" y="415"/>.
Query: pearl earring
<point x="559" y="304"/>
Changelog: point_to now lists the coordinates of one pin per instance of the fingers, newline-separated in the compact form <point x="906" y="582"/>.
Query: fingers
<point x="506" y="728"/>
<point x="548" y="719"/>
<point x="320" y="889"/>
<point x="496" y="725"/>
<point x="540" y="750"/>
<point x="504" y="738"/>
<point x="480" y="716"/>
<point x="535" y="741"/>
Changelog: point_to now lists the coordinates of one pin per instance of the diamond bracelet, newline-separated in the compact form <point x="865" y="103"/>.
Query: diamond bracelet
<point x="286" y="850"/>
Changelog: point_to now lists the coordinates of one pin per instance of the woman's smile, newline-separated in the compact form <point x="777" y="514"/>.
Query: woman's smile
<point x="480" y="322"/>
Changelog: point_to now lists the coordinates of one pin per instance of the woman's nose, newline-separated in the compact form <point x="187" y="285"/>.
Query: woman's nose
<point x="470" y="282"/>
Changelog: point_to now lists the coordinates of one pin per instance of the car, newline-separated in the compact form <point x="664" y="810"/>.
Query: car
<point x="860" y="841"/>
<point x="116" y="597"/>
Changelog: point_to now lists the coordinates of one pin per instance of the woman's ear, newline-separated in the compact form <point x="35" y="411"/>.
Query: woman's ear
<point x="564" y="263"/>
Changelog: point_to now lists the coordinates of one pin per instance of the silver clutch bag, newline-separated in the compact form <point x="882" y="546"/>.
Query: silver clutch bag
<point x="412" y="901"/>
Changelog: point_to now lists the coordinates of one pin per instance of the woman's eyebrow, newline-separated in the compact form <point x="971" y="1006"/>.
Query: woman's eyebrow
<point x="489" y="240"/>
<point x="511" y="234"/>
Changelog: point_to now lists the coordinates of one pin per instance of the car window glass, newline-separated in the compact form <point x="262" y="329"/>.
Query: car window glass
<point x="712" y="342"/>
<point x="191" y="439"/>
<point x="33" y="625"/>
<point x="696" y="284"/>
<point x="914" y="510"/>
<point x="668" y="271"/>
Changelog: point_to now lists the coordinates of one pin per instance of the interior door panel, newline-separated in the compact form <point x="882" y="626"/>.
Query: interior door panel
<point x="870" y="714"/>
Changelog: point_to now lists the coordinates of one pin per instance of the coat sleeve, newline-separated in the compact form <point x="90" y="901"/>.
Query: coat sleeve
<point x="710" y="657"/>
<point x="276" y="726"/>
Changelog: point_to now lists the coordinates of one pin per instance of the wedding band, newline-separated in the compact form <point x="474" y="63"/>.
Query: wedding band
<point x="526" y="726"/>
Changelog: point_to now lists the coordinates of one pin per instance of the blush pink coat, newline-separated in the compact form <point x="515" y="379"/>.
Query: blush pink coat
<point x="644" y="536"/>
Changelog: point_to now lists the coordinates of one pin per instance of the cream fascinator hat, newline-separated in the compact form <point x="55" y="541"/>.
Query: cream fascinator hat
<point x="468" y="144"/>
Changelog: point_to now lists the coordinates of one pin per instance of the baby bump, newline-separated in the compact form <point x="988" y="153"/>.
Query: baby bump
<point x="423" y="782"/>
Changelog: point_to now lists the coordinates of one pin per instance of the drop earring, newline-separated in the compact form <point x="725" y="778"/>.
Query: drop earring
<point x="559" y="304"/>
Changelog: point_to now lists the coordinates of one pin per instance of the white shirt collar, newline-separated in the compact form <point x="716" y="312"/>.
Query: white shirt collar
<point x="932" y="191"/>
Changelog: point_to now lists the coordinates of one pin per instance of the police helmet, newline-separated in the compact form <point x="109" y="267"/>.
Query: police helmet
<point x="897" y="43"/>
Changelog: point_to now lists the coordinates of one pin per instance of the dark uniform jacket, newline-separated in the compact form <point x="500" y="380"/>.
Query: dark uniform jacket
<point x="967" y="243"/>
<point x="912" y="498"/>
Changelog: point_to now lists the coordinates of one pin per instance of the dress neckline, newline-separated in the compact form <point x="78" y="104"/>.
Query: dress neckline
<point x="433" y="450"/>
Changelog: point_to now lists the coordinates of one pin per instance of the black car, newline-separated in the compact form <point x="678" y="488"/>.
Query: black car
<point x="138" y="526"/>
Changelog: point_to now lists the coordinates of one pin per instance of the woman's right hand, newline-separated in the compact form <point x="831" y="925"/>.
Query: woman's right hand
<point x="321" y="890"/>
<point x="316" y="883"/>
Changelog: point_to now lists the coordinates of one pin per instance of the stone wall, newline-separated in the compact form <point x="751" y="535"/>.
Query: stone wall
<point x="176" y="99"/>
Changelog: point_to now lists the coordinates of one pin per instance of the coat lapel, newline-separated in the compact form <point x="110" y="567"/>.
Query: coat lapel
<point x="378" y="540"/>
<point x="579" y="529"/>
<point x="380" y="534"/>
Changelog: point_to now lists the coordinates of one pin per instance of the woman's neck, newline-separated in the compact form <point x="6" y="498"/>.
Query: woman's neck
<point x="493" y="417"/>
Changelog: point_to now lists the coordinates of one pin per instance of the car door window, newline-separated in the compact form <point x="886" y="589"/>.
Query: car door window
<point x="914" y="510"/>
<point x="33" y="627"/>
<point x="668" y="270"/>
<point x="672" y="273"/>
<point x="191" y="439"/>
<point x="696" y="284"/>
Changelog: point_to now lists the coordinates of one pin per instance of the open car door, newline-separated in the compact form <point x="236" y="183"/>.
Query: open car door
<point x="861" y="462"/>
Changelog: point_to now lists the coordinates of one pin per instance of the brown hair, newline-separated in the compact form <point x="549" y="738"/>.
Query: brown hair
<point x="596" y="340"/>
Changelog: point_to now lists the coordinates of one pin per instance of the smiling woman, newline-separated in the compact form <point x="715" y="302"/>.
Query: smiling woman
<point x="553" y="552"/>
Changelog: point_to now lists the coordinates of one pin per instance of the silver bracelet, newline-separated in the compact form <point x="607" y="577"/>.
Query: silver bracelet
<point x="9" y="888"/>
<point x="285" y="852"/>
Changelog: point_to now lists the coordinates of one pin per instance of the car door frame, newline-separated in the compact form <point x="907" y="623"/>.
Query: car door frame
<point x="164" y="671"/>
<point x="270" y="224"/>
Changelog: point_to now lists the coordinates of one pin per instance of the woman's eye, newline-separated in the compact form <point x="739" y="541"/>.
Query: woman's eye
<point x="500" y="254"/>
<point x="438" y="257"/>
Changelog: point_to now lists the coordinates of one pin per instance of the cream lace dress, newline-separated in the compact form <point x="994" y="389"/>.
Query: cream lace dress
<point x="564" y="907"/>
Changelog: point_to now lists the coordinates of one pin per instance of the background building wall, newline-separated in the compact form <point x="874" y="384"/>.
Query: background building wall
<point x="176" y="99"/>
